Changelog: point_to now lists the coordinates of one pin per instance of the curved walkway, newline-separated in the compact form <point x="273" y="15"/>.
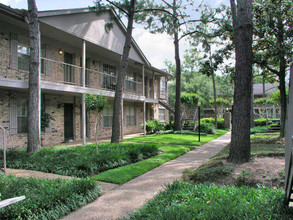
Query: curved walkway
<point x="120" y="201"/>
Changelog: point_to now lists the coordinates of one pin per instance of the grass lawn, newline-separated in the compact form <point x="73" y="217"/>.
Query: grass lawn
<point x="175" y="139"/>
<point x="193" y="200"/>
<point x="171" y="146"/>
<point x="185" y="201"/>
<point x="45" y="198"/>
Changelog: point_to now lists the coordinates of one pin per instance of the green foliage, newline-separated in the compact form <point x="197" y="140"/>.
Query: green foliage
<point x="221" y="122"/>
<point x="80" y="161"/>
<point x="258" y="129"/>
<point x="169" y="125"/>
<point x="45" y="198"/>
<point x="244" y="178"/>
<point x="96" y="103"/>
<point x="154" y="126"/>
<point x="263" y="101"/>
<point x="260" y="122"/>
<point x="221" y="101"/>
<point x="181" y="200"/>
<point x="207" y="128"/>
<point x="208" y="173"/>
<point x="190" y="99"/>
<point x="46" y="119"/>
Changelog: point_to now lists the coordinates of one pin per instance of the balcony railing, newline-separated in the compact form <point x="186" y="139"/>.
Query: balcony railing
<point x="65" y="73"/>
<point x="71" y="74"/>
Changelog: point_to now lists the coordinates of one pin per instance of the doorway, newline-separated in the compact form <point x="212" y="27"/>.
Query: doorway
<point x="68" y="122"/>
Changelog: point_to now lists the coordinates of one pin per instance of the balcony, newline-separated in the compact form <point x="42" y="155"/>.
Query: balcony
<point x="65" y="73"/>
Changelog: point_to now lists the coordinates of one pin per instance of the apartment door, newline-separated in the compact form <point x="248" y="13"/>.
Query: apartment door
<point x="68" y="69"/>
<point x="68" y="122"/>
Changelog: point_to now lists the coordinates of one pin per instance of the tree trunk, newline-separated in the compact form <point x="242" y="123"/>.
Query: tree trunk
<point x="34" y="79"/>
<point x="116" y="125"/>
<point x="282" y="75"/>
<point x="242" y="25"/>
<point x="177" y="120"/>
<point x="215" y="100"/>
<point x="283" y="98"/>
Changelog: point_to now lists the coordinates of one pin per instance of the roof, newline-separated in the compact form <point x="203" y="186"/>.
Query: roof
<point x="269" y="88"/>
<point x="19" y="14"/>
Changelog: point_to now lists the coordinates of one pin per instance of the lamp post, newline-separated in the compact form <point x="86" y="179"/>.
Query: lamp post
<point x="199" y="121"/>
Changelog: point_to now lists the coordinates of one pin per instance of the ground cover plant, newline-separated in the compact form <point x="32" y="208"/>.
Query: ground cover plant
<point x="186" y="201"/>
<point x="80" y="161"/>
<point x="45" y="198"/>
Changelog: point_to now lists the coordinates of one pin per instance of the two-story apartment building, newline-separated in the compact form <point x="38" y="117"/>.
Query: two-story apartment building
<point x="79" y="55"/>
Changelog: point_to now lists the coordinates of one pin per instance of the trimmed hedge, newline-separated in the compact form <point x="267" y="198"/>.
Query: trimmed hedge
<point x="45" y="198"/>
<point x="80" y="161"/>
<point x="260" y="122"/>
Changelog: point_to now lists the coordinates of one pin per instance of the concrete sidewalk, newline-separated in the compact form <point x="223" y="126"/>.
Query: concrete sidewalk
<point x="120" y="201"/>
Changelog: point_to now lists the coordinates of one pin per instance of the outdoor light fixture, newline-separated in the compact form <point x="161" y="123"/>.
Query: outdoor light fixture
<point x="60" y="52"/>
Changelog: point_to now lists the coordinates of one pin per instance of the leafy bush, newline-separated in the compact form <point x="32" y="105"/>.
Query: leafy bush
<point x="169" y="125"/>
<point x="221" y="122"/>
<point x="207" y="128"/>
<point x="186" y="201"/>
<point x="221" y="101"/>
<point x="80" y="161"/>
<point x="263" y="101"/>
<point x="154" y="126"/>
<point x="45" y="198"/>
<point x="209" y="172"/>
<point x="190" y="98"/>
<point x="260" y="122"/>
<point x="259" y="129"/>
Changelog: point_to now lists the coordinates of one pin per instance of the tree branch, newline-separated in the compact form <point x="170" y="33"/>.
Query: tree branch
<point x="117" y="6"/>
<point x="155" y="9"/>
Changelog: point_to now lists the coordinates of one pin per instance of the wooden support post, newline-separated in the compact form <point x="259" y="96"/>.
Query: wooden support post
<point x="144" y="118"/>
<point x="83" y="95"/>
<point x="122" y="119"/>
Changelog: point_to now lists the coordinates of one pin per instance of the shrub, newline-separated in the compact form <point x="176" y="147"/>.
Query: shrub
<point x="259" y="129"/>
<point x="207" y="128"/>
<point x="221" y="122"/>
<point x="45" y="198"/>
<point x="190" y="99"/>
<point x="80" y="161"/>
<point x="244" y="178"/>
<point x="154" y="126"/>
<point x="260" y="122"/>
<point x="169" y="125"/>
<point x="209" y="172"/>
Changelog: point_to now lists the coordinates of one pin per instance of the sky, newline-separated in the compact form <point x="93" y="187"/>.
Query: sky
<point x="156" y="47"/>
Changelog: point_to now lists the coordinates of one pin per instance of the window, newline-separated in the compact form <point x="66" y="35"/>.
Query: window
<point x="107" y="117"/>
<point x="163" y="84"/>
<point x="161" y="114"/>
<point x="22" y="126"/>
<point x="109" y="76"/>
<point x="23" y="53"/>
<point x="130" y="83"/>
<point x="130" y="115"/>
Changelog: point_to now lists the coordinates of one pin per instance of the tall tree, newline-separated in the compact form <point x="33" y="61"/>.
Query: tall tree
<point x="34" y="79"/>
<point x="128" y="9"/>
<point x="273" y="47"/>
<point x="175" y="21"/>
<point x="242" y="29"/>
